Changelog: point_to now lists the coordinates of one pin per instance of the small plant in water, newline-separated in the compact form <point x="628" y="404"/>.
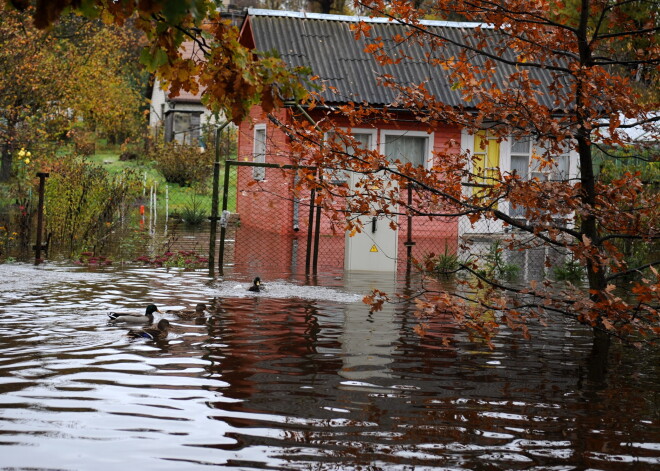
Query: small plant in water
<point x="446" y="264"/>
<point x="91" y="260"/>
<point x="570" y="271"/>
<point x="188" y="260"/>
<point x="496" y="266"/>
<point x="194" y="212"/>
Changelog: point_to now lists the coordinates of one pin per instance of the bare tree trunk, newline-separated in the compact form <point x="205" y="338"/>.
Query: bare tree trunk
<point x="7" y="149"/>
<point x="588" y="227"/>
<point x="597" y="366"/>
<point x="5" y="167"/>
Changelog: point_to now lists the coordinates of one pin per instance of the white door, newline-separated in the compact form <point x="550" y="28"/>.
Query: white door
<point x="373" y="249"/>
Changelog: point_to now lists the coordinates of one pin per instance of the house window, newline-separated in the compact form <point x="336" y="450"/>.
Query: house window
<point x="259" y="152"/>
<point x="527" y="166"/>
<point x="556" y="172"/>
<point x="521" y="153"/>
<point x="406" y="147"/>
<point x="182" y="127"/>
<point x="365" y="140"/>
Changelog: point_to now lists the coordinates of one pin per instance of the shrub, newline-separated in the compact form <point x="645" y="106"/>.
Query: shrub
<point x="90" y="260"/>
<point x="446" y="264"/>
<point x="83" y="202"/>
<point x="183" y="164"/>
<point x="126" y="156"/>
<point x="495" y="266"/>
<point x="84" y="142"/>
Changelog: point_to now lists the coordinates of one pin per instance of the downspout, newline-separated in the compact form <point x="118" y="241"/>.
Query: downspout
<point x="296" y="207"/>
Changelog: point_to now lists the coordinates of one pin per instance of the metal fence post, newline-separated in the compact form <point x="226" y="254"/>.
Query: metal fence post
<point x="409" y="242"/>
<point x="310" y="232"/>
<point x="214" y="201"/>
<point x="317" y="232"/>
<point x="223" y="227"/>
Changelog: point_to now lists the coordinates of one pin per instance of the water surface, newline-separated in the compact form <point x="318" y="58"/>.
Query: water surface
<point x="299" y="377"/>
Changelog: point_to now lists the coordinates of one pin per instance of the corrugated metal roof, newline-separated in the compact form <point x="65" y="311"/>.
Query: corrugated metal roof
<point x="327" y="44"/>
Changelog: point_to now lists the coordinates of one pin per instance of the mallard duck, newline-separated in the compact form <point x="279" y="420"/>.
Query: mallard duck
<point x="256" y="285"/>
<point x="199" y="311"/>
<point x="147" y="318"/>
<point x="160" y="332"/>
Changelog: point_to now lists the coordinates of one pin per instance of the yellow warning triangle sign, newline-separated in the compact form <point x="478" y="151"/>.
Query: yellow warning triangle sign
<point x="374" y="248"/>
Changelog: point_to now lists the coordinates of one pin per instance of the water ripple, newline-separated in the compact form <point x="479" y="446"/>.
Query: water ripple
<point x="297" y="377"/>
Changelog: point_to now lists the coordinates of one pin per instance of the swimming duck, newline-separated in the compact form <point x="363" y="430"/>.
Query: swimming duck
<point x="147" y="318"/>
<point x="199" y="311"/>
<point x="160" y="332"/>
<point x="256" y="285"/>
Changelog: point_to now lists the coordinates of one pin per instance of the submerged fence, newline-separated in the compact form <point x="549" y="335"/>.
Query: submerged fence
<point x="273" y="229"/>
<point x="265" y="227"/>
<point x="160" y="218"/>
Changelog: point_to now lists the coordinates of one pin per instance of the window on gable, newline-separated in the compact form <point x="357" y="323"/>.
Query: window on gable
<point x="259" y="152"/>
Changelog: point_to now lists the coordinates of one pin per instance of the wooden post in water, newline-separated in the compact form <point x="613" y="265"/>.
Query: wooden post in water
<point x="38" y="247"/>
<point x="214" y="201"/>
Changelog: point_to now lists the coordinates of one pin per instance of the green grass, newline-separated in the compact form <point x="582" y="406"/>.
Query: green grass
<point x="180" y="199"/>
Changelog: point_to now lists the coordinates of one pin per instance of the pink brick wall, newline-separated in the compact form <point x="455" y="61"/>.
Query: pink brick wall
<point x="268" y="204"/>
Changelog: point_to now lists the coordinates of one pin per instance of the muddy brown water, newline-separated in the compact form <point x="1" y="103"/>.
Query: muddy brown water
<point x="298" y="377"/>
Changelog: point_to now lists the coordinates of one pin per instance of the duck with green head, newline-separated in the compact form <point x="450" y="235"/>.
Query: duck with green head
<point x="132" y="318"/>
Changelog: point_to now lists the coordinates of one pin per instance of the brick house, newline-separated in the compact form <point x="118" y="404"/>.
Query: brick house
<point x="326" y="43"/>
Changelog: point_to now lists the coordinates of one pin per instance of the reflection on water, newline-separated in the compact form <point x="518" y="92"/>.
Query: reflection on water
<point x="298" y="377"/>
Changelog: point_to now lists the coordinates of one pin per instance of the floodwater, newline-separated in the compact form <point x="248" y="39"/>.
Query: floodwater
<point x="299" y="377"/>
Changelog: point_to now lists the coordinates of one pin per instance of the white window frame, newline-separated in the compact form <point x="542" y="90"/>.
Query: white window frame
<point x="548" y="174"/>
<point x="259" y="155"/>
<point x="430" y="141"/>
<point x="486" y="225"/>
<point x="533" y="170"/>
<point x="337" y="177"/>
